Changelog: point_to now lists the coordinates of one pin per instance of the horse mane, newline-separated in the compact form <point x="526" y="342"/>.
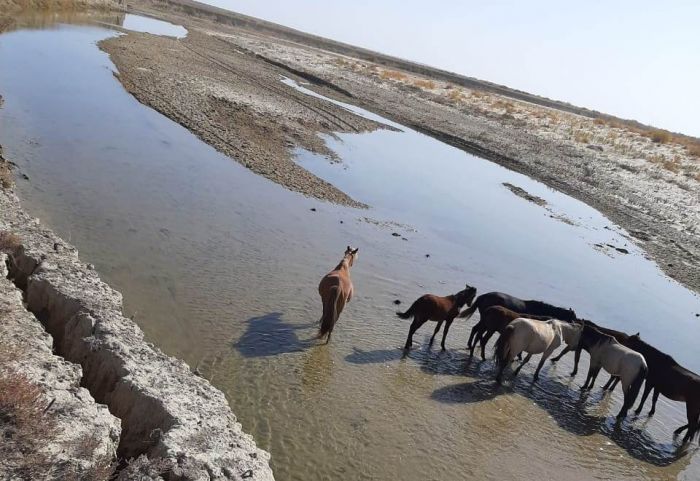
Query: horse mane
<point x="591" y="333"/>
<point x="543" y="308"/>
<point x="662" y="355"/>
<point x="539" y="304"/>
<point x="605" y="330"/>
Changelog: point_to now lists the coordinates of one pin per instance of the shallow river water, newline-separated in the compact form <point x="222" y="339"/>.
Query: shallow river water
<point x="220" y="267"/>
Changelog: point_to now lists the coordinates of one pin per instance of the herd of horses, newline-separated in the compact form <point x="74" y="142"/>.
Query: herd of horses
<point x="535" y="327"/>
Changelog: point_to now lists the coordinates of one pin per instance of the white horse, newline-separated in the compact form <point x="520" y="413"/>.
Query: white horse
<point x="618" y="360"/>
<point x="534" y="337"/>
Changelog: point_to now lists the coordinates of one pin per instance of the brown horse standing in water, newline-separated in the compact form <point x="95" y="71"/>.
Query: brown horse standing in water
<point x="430" y="307"/>
<point x="336" y="290"/>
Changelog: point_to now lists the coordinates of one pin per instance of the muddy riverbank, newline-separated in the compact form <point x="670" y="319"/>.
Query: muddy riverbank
<point x="219" y="267"/>
<point x="651" y="188"/>
<point x="236" y="103"/>
<point x="159" y="410"/>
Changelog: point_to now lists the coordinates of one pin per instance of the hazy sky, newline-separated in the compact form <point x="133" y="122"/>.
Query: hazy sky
<point x="636" y="59"/>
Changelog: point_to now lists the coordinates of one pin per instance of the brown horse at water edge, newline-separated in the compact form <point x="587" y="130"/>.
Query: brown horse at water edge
<point x="430" y="307"/>
<point x="336" y="290"/>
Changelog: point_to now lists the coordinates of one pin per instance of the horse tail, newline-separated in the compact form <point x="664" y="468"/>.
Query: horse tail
<point x="503" y="345"/>
<point x="409" y="313"/>
<point x="467" y="313"/>
<point x="637" y="384"/>
<point x="330" y="312"/>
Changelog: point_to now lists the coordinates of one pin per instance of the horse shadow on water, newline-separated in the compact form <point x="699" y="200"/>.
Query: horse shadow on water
<point x="566" y="404"/>
<point x="270" y="335"/>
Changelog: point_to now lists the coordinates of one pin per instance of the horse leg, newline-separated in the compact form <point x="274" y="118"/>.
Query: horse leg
<point x="577" y="357"/>
<point x="484" y="341"/>
<point x="473" y="342"/>
<point x="680" y="430"/>
<point x="609" y="383"/>
<point x="548" y="352"/>
<point x="417" y="322"/>
<point x="590" y="379"/>
<point x="475" y="330"/>
<point x="517" y="369"/>
<point x="647" y="390"/>
<point x="502" y="367"/>
<point x="448" y="323"/>
<point x="654" y="398"/>
<point x="437" y="329"/>
<point x="615" y="383"/>
<point x="595" y="376"/>
<point x="566" y="350"/>
<point x="692" y="412"/>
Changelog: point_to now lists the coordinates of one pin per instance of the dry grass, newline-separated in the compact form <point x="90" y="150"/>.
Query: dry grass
<point x="582" y="136"/>
<point x="659" y="136"/>
<point x="693" y="149"/>
<point x="9" y="241"/>
<point x="23" y="427"/>
<point x="393" y="75"/>
<point x="145" y="468"/>
<point x="455" y="95"/>
<point x="6" y="179"/>
<point x="671" y="165"/>
<point x="425" y="84"/>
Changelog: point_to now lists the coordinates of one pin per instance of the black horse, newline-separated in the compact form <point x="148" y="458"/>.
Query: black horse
<point x="535" y="308"/>
<point x="669" y="378"/>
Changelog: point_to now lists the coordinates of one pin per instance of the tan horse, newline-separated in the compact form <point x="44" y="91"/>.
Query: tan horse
<point x="430" y="307"/>
<point x="336" y="291"/>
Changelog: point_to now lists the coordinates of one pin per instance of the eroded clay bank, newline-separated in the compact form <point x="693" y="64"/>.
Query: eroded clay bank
<point x="166" y="412"/>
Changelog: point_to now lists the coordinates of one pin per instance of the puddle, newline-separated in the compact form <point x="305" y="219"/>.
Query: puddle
<point x="220" y="267"/>
<point x="139" y="23"/>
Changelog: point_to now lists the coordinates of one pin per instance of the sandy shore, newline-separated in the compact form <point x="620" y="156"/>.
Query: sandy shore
<point x="222" y="82"/>
<point x="235" y="102"/>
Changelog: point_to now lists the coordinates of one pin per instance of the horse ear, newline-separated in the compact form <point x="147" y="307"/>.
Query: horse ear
<point x="355" y="251"/>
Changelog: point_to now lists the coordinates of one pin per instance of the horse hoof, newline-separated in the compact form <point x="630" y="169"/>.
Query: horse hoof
<point x="651" y="413"/>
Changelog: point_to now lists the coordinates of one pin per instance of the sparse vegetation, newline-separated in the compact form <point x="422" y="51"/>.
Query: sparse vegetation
<point x="145" y="468"/>
<point x="23" y="427"/>
<point x="693" y="149"/>
<point x="393" y="75"/>
<point x="671" y="165"/>
<point x="25" y="430"/>
<point x="455" y="95"/>
<point x="9" y="241"/>
<point x="6" y="180"/>
<point x="425" y="84"/>
<point x="659" y="136"/>
<point x="582" y="136"/>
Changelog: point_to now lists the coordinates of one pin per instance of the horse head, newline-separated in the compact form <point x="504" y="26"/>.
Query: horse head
<point x="467" y="295"/>
<point x="568" y="315"/>
<point x="352" y="254"/>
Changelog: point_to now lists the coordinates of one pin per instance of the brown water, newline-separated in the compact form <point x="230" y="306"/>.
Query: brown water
<point x="220" y="268"/>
